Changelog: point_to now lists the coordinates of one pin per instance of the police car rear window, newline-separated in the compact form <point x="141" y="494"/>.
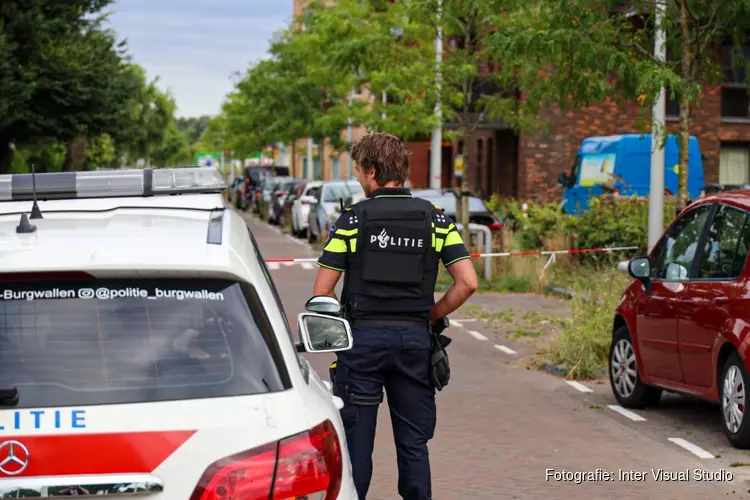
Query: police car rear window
<point x="89" y="342"/>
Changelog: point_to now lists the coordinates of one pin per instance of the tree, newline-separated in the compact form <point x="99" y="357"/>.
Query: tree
<point x="60" y="75"/>
<point x="147" y="118"/>
<point x="388" y="47"/>
<point x="296" y="93"/>
<point x="378" y="47"/>
<point x="193" y="127"/>
<point x="572" y="53"/>
<point x="468" y="79"/>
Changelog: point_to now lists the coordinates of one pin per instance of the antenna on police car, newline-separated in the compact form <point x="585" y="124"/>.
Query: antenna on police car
<point x="24" y="226"/>
<point x="35" y="212"/>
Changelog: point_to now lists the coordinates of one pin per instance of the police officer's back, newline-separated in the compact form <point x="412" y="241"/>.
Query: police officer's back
<point x="389" y="247"/>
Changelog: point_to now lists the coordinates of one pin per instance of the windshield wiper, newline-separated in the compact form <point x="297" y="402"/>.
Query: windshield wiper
<point x="9" y="397"/>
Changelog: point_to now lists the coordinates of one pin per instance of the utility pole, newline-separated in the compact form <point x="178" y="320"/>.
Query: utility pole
<point x="656" y="195"/>
<point x="436" y="147"/>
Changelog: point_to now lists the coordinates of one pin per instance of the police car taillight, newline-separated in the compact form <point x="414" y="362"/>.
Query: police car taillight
<point x="299" y="466"/>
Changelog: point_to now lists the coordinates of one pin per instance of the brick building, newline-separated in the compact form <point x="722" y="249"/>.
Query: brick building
<point x="526" y="166"/>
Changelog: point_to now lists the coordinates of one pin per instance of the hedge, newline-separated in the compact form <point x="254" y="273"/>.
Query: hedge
<point x="609" y="222"/>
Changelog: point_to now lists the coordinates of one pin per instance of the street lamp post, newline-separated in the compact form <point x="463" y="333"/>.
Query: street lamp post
<point x="436" y="146"/>
<point x="656" y="195"/>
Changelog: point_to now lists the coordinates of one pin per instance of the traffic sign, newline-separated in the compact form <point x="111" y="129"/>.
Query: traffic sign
<point x="212" y="159"/>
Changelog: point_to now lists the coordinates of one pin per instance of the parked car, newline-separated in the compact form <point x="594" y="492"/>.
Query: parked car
<point x="301" y="208"/>
<point x="242" y="190"/>
<point x="279" y="197"/>
<point x="681" y="325"/>
<point x="265" y="200"/>
<point x="479" y="212"/>
<point x="327" y="206"/>
<point x="259" y="175"/>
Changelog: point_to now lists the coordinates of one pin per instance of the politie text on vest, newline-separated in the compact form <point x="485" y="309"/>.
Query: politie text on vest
<point x="384" y="241"/>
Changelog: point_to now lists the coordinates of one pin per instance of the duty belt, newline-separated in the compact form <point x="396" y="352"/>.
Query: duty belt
<point x="376" y="323"/>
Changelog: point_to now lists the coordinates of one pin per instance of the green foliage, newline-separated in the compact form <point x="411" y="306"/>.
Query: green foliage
<point x="582" y="349"/>
<point x="67" y="83"/>
<point x="609" y="222"/>
<point x="572" y="53"/>
<point x="300" y="93"/>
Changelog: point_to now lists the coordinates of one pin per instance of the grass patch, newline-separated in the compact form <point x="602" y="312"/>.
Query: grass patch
<point x="739" y="464"/>
<point x="582" y="348"/>
<point x="523" y="333"/>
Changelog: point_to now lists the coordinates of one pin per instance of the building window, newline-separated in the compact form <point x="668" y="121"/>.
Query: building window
<point x="735" y="102"/>
<point x="734" y="164"/>
<point x="672" y="106"/>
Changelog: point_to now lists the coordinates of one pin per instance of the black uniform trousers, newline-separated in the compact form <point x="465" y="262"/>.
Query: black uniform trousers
<point x="397" y="359"/>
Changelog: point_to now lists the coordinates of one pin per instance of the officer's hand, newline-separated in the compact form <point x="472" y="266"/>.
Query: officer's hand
<point x="433" y="317"/>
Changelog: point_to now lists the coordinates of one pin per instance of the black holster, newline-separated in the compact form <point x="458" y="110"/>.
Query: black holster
<point x="440" y="365"/>
<point x="332" y="373"/>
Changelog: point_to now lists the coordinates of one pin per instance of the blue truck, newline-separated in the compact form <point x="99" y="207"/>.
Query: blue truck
<point x="622" y="164"/>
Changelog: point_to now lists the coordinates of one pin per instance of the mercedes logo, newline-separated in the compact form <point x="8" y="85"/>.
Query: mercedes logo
<point x="14" y="458"/>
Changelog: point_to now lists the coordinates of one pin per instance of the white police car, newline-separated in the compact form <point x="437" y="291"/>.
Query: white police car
<point x="144" y="349"/>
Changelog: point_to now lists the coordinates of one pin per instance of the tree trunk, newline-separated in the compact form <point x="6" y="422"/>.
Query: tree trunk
<point x="75" y="159"/>
<point x="682" y="193"/>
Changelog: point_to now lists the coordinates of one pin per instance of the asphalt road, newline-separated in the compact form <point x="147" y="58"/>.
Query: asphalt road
<point x="508" y="432"/>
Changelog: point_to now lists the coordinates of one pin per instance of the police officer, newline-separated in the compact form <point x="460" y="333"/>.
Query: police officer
<point x="389" y="247"/>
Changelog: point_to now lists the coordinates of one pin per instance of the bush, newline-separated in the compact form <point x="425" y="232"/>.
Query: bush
<point x="609" y="222"/>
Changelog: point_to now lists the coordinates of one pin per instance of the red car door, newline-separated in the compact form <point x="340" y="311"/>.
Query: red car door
<point x="708" y="301"/>
<point x="656" y="323"/>
<point x="657" y="307"/>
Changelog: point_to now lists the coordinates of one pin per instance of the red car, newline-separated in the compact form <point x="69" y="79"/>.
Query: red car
<point x="683" y="323"/>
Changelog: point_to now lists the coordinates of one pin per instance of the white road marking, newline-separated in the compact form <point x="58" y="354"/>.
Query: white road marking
<point x="307" y="265"/>
<point x="695" y="450"/>
<point x="294" y="240"/>
<point x="578" y="385"/>
<point x="477" y="335"/>
<point x="288" y="264"/>
<point x="626" y="413"/>
<point x="273" y="265"/>
<point x="456" y="323"/>
<point x="506" y="350"/>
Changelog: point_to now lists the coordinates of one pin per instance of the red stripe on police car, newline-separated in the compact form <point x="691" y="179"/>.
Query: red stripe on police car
<point x="79" y="454"/>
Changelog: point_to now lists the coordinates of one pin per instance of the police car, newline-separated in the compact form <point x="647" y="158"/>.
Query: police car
<point x="144" y="349"/>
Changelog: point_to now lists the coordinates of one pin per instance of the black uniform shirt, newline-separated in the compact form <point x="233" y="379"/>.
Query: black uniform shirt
<point x="342" y="240"/>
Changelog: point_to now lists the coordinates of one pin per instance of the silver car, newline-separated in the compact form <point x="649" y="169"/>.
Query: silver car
<point x="327" y="206"/>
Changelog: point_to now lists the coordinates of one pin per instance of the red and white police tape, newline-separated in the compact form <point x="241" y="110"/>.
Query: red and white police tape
<point x="508" y="254"/>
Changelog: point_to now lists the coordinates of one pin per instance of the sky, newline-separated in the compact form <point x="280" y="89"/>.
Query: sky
<point x="194" y="46"/>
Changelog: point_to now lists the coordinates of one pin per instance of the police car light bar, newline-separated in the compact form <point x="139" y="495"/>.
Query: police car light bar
<point x="113" y="183"/>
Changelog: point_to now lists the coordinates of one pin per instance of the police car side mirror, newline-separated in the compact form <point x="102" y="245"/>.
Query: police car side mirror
<point x="323" y="333"/>
<point x="323" y="304"/>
